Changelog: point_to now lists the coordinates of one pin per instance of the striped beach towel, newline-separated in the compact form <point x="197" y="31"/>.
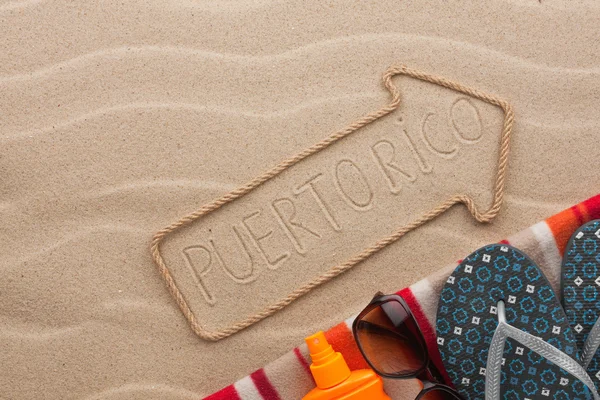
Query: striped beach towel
<point x="289" y="378"/>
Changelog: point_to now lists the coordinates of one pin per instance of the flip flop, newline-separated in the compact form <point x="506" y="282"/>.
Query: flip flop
<point x="503" y="334"/>
<point x="581" y="293"/>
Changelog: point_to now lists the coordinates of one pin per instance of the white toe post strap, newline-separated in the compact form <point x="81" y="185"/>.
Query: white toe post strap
<point x="591" y="344"/>
<point x="494" y="362"/>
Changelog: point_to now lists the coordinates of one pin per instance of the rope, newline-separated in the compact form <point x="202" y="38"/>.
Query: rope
<point x="485" y="216"/>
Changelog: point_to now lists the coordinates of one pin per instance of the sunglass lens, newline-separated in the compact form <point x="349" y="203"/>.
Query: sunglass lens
<point x="390" y="339"/>
<point x="439" y="394"/>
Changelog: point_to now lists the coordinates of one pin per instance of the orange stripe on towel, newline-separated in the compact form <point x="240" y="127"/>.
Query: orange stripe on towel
<point x="341" y="339"/>
<point x="563" y="225"/>
<point x="566" y="222"/>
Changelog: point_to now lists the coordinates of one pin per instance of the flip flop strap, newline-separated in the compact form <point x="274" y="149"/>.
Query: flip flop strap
<point x="544" y="349"/>
<point x="591" y="344"/>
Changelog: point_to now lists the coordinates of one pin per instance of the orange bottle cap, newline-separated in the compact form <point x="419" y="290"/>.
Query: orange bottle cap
<point x="329" y="367"/>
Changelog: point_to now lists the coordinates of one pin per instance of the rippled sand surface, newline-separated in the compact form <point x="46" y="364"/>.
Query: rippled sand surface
<point x="117" y="118"/>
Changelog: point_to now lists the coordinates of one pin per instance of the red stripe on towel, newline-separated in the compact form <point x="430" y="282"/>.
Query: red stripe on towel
<point x="592" y="206"/>
<point x="264" y="386"/>
<point x="228" y="393"/>
<point x="302" y="361"/>
<point x="579" y="214"/>
<point x="428" y="332"/>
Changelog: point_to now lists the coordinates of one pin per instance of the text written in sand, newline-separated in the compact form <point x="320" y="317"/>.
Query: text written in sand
<point x="320" y="204"/>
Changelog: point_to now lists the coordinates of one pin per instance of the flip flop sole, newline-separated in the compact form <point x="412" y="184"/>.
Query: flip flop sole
<point x="467" y="319"/>
<point x="581" y="286"/>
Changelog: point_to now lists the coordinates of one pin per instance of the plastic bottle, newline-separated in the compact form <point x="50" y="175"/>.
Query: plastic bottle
<point x="334" y="379"/>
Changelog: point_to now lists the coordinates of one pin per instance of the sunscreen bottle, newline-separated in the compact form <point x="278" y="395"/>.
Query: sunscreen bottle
<point x="334" y="379"/>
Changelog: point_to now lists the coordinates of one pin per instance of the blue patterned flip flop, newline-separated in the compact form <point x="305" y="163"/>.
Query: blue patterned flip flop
<point x="581" y="292"/>
<point x="497" y="303"/>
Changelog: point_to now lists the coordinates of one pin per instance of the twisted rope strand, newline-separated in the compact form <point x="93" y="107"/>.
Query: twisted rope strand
<point x="485" y="216"/>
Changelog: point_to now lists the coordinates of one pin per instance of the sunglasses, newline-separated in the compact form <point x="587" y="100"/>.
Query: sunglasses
<point x="391" y="341"/>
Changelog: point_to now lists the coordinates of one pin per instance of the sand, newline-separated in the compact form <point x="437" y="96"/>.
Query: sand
<point x="119" y="118"/>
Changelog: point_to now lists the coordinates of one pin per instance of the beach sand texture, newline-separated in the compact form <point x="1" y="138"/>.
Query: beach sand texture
<point x="118" y="118"/>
